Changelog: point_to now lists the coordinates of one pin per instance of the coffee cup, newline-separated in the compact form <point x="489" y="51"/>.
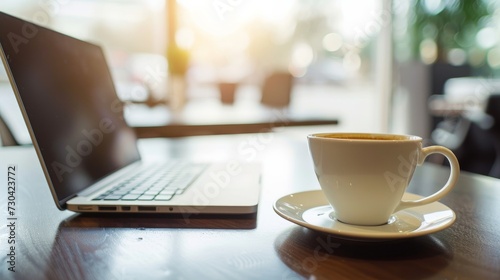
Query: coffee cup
<point x="364" y="175"/>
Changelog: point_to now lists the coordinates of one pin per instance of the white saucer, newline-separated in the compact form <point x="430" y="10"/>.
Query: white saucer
<point x="311" y="210"/>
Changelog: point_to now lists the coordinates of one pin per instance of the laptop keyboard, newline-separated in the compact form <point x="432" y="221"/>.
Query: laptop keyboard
<point x="155" y="183"/>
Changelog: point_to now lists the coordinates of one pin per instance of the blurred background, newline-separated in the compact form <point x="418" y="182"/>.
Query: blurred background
<point x="424" y="67"/>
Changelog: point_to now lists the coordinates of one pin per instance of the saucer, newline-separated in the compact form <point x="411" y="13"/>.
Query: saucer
<point x="310" y="209"/>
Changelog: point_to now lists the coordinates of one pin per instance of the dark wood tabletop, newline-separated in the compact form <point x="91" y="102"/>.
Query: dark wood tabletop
<point x="53" y="244"/>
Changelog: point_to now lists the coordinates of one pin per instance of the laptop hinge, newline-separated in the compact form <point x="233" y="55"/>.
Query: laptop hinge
<point x="63" y="204"/>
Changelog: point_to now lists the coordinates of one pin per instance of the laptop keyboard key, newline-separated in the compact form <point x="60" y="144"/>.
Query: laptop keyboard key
<point x="120" y="192"/>
<point x="152" y="192"/>
<point x="163" y="197"/>
<point x="168" y="192"/>
<point x="146" y="197"/>
<point x="139" y="192"/>
<point x="113" y="197"/>
<point x="131" y="197"/>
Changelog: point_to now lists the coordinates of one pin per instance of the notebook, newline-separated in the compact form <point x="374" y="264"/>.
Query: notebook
<point x="87" y="151"/>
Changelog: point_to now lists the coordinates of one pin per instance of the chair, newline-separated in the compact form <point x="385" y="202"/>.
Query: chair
<point x="492" y="110"/>
<point x="474" y="136"/>
<point x="277" y="89"/>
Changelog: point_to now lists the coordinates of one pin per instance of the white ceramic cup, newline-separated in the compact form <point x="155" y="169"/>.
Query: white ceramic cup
<point x="364" y="176"/>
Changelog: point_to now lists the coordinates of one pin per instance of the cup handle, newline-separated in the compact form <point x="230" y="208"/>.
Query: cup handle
<point x="454" y="172"/>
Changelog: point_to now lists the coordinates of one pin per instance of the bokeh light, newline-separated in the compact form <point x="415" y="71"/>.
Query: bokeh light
<point x="332" y="42"/>
<point x="428" y="51"/>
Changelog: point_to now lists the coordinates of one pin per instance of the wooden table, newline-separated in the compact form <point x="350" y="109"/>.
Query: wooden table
<point x="208" y="116"/>
<point x="53" y="244"/>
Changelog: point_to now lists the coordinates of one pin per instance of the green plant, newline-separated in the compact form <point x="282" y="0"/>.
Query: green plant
<point x="451" y="24"/>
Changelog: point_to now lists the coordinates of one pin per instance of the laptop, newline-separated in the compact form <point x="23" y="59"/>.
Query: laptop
<point x="87" y="151"/>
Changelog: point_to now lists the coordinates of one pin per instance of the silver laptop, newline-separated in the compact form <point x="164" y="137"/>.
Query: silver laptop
<point x="88" y="153"/>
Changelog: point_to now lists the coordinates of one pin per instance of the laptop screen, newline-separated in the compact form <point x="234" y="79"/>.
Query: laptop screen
<point x="69" y="102"/>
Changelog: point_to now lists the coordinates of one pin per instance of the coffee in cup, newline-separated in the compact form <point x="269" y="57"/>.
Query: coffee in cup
<point x="364" y="175"/>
